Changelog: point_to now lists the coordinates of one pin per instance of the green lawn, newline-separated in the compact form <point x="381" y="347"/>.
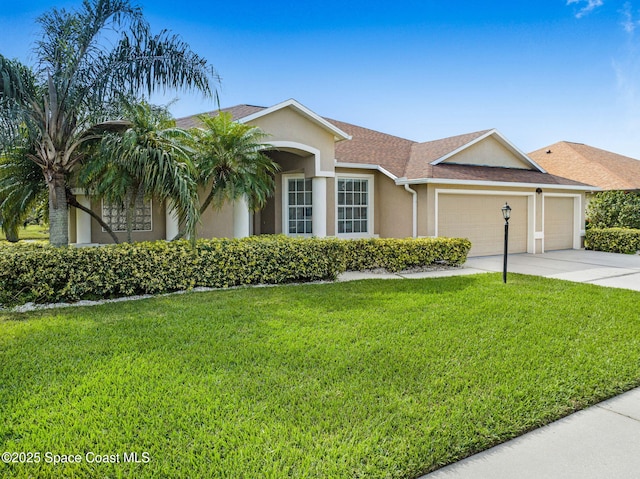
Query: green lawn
<point x="375" y="379"/>
<point x="31" y="232"/>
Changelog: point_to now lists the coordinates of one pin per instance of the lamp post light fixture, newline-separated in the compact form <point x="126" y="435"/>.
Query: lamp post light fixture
<point x="506" y="214"/>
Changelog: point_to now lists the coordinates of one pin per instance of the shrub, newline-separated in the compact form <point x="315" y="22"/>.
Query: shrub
<point x="613" y="240"/>
<point x="399" y="254"/>
<point x="614" y="209"/>
<point x="42" y="273"/>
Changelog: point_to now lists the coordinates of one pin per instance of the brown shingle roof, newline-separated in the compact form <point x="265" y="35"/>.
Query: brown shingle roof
<point x="423" y="154"/>
<point x="487" y="173"/>
<point x="590" y="165"/>
<point x="237" y="112"/>
<point x="406" y="158"/>
<point x="373" y="147"/>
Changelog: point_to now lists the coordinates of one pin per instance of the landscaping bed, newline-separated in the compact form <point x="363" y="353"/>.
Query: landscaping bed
<point x="43" y="274"/>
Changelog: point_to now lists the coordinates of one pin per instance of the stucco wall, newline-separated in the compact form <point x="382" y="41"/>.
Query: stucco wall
<point x="158" y="226"/>
<point x="216" y="223"/>
<point x="289" y="126"/>
<point x="489" y="152"/>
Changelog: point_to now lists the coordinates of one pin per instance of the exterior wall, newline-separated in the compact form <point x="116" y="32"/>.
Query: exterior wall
<point x="216" y="223"/>
<point x="488" y="152"/>
<point x="286" y="125"/>
<point x="394" y="209"/>
<point x="72" y="225"/>
<point x="424" y="204"/>
<point x="158" y="225"/>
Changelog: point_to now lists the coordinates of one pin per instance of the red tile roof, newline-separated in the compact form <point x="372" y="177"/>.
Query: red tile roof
<point x="589" y="165"/>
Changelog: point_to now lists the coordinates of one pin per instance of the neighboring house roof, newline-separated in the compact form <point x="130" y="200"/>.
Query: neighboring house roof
<point x="593" y="166"/>
<point x="408" y="161"/>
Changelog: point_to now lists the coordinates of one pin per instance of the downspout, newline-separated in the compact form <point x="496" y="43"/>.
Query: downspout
<point x="415" y="209"/>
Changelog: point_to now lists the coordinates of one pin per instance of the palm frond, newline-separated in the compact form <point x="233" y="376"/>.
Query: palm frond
<point x="231" y="162"/>
<point x="22" y="188"/>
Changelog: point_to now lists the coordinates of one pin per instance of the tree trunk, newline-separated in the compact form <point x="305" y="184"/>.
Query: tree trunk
<point x="58" y="210"/>
<point x="130" y="205"/>
<point x="12" y="234"/>
<point x="72" y="200"/>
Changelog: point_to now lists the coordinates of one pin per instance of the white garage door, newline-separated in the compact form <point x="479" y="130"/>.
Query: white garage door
<point x="558" y="223"/>
<point x="479" y="218"/>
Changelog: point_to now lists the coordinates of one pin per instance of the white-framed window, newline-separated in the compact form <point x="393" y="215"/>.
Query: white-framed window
<point x="115" y="215"/>
<point x="354" y="205"/>
<point x="297" y="205"/>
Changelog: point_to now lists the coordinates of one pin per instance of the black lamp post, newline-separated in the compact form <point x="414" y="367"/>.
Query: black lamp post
<point x="506" y="214"/>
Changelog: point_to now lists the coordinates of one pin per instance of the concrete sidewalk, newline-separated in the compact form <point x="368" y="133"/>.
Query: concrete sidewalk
<point x="600" y="442"/>
<point x="594" y="267"/>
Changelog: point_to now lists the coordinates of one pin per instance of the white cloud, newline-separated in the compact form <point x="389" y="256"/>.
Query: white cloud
<point x="589" y="7"/>
<point x="629" y="23"/>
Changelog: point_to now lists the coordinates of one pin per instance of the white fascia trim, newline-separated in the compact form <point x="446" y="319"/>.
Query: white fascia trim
<point x="306" y="112"/>
<point x="366" y="166"/>
<point x="445" y="181"/>
<point x="500" y="138"/>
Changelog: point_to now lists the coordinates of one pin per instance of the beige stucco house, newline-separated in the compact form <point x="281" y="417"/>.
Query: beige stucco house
<point x="343" y="180"/>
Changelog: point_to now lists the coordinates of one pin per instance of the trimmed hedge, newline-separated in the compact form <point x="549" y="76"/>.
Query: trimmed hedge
<point x="44" y="274"/>
<point x="398" y="254"/>
<point x="613" y="240"/>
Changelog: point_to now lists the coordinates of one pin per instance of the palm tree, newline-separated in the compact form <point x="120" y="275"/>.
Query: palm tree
<point x="230" y="163"/>
<point x="150" y="157"/>
<point x="22" y="190"/>
<point x="79" y="74"/>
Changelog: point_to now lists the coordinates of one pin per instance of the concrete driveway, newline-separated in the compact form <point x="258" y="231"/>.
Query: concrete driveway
<point x="595" y="267"/>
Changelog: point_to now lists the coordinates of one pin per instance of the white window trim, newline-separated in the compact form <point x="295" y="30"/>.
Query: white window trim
<point x="370" y="210"/>
<point x="124" y="231"/>
<point x="285" y="204"/>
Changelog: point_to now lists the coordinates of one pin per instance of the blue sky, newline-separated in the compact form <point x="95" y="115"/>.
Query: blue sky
<point x="539" y="72"/>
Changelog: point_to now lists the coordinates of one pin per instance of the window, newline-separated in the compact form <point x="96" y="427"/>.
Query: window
<point x="299" y="207"/>
<point x="115" y="215"/>
<point x="354" y="206"/>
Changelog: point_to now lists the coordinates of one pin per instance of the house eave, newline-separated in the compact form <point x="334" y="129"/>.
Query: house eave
<point x="366" y="166"/>
<point x="448" y="181"/>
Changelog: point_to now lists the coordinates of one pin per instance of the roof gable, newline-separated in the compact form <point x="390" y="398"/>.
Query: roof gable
<point x="487" y="148"/>
<point x="304" y="112"/>
<point x="247" y="113"/>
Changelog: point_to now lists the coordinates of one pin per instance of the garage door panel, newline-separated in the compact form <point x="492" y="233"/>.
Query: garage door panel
<point x="479" y="218"/>
<point x="558" y="223"/>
